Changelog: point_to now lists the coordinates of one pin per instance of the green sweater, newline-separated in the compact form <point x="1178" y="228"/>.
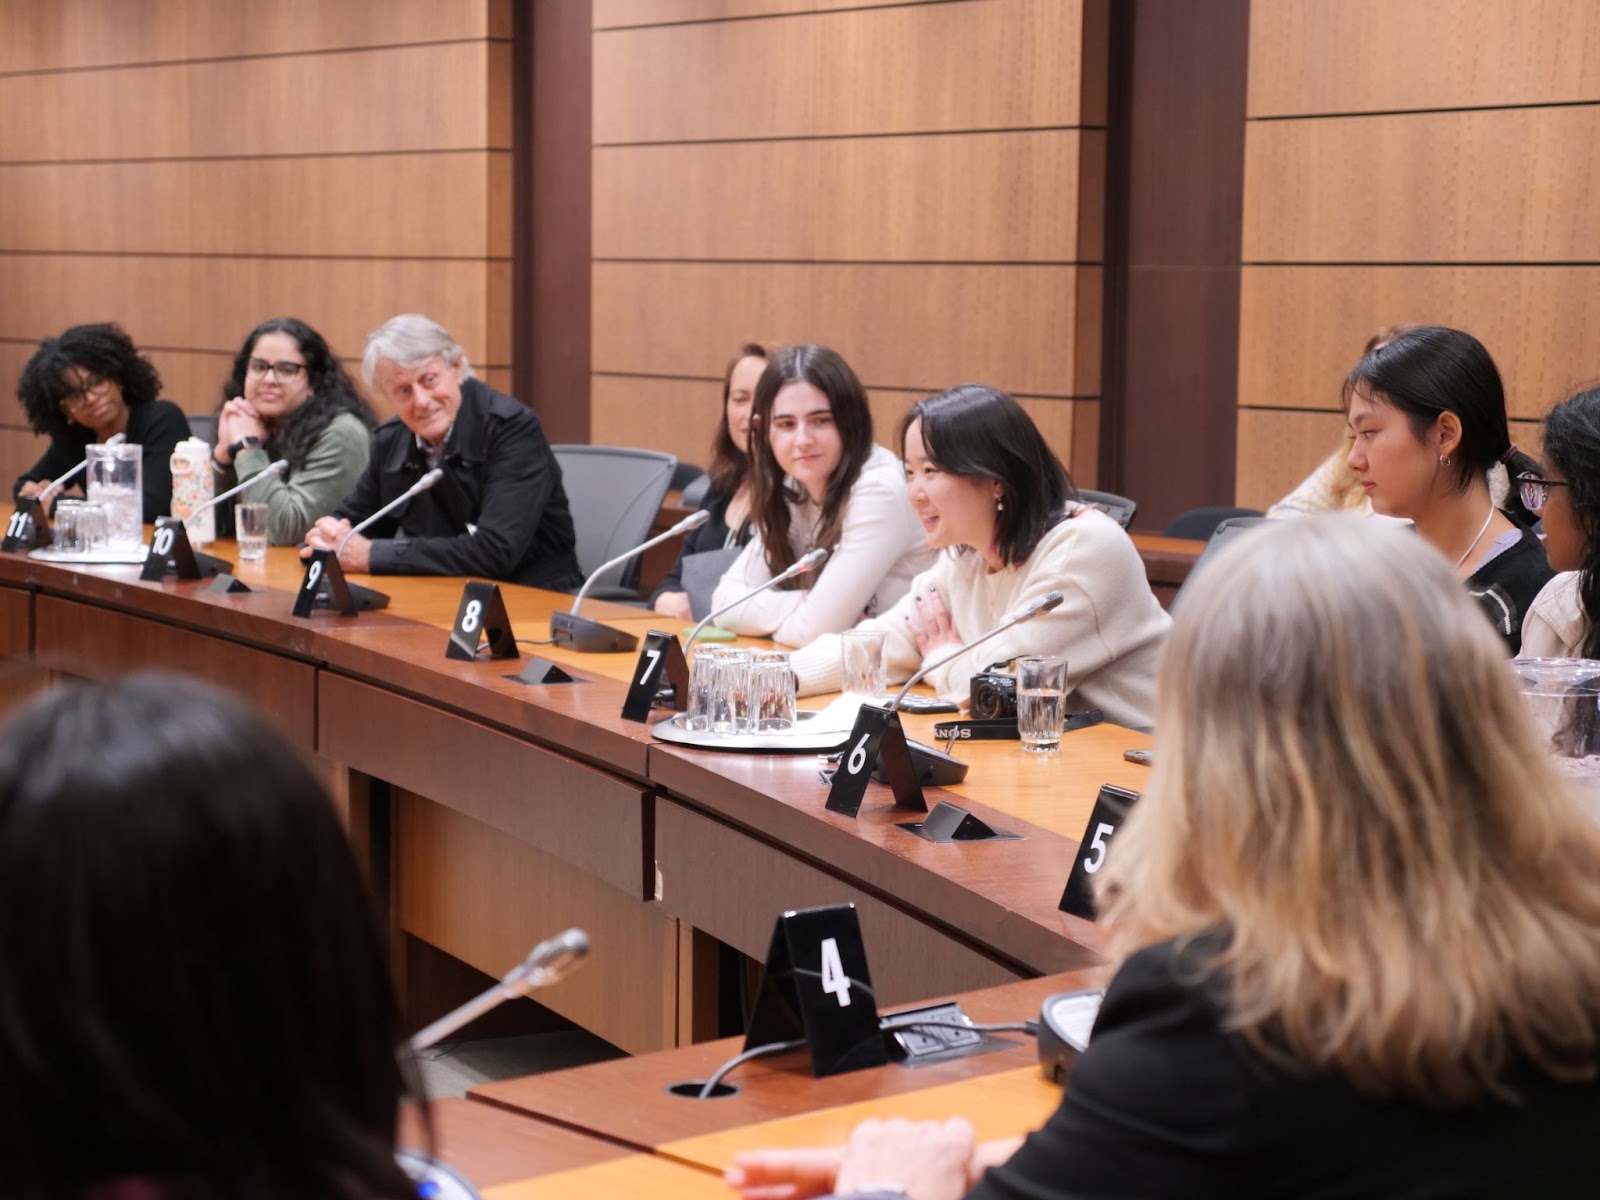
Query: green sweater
<point x="298" y="497"/>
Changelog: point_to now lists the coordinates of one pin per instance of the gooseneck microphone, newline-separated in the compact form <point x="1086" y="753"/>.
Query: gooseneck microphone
<point x="276" y="468"/>
<point x="116" y="439"/>
<point x="1027" y="612"/>
<point x="417" y="488"/>
<point x="548" y="962"/>
<point x="809" y="563"/>
<point x="591" y="637"/>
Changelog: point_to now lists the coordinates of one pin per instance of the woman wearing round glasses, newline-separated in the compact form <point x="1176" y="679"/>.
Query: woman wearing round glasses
<point x="1564" y="620"/>
<point x="85" y="386"/>
<point x="289" y="397"/>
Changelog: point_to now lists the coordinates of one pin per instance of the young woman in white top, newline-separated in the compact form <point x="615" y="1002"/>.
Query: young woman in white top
<point x="989" y="491"/>
<point x="819" y="481"/>
<point x="1564" y="620"/>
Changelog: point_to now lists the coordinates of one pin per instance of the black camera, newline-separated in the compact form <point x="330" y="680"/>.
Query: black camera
<point x="994" y="695"/>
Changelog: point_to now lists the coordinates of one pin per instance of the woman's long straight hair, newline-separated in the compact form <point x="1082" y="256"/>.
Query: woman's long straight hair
<point x="1349" y="791"/>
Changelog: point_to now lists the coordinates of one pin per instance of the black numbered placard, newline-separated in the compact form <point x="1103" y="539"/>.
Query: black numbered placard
<point x="23" y="528"/>
<point x="816" y="986"/>
<point x="482" y="615"/>
<point x="324" y="575"/>
<point x="877" y="734"/>
<point x="170" y="551"/>
<point x="1111" y="808"/>
<point x="661" y="662"/>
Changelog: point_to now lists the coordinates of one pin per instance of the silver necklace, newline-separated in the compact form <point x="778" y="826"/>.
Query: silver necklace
<point x="1477" y="539"/>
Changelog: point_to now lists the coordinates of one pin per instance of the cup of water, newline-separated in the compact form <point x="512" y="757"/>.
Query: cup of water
<point x="1562" y="696"/>
<point x="1041" y="702"/>
<point x="92" y="525"/>
<point x="250" y="523"/>
<point x="116" y="483"/>
<point x="67" y="539"/>
<point x="861" y="661"/>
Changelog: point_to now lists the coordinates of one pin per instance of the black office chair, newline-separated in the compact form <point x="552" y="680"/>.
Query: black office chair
<point x="694" y="492"/>
<point x="1226" y="532"/>
<point x="1119" y="508"/>
<point x="614" y="494"/>
<point x="203" y="426"/>
<point x="1201" y="523"/>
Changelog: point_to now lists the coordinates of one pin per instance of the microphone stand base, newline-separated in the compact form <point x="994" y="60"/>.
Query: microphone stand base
<point x="589" y="637"/>
<point x="934" y="767"/>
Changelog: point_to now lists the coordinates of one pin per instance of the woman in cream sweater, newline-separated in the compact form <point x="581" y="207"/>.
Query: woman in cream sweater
<point x="989" y="491"/>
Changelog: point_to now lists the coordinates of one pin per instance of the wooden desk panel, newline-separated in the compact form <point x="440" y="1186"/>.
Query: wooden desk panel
<point x="19" y="678"/>
<point x="734" y="886"/>
<point x="641" y="1177"/>
<point x="492" y="1146"/>
<point x="488" y="899"/>
<point x="591" y="819"/>
<point x="88" y="640"/>
<point x="627" y="1100"/>
<point x="1005" y="1105"/>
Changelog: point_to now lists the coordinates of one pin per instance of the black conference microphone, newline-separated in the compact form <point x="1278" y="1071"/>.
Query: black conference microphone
<point x="934" y="766"/>
<point x="547" y="963"/>
<point x="365" y="597"/>
<point x="591" y="637"/>
<point x="809" y="563"/>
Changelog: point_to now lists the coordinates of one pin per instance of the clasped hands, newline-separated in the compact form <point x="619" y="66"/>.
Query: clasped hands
<point x="237" y="420"/>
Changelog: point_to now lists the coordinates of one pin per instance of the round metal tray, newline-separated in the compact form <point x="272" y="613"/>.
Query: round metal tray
<point x="100" y="558"/>
<point x="799" y="742"/>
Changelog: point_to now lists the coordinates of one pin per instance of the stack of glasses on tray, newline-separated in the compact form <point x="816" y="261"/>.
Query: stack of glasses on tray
<point x="737" y="691"/>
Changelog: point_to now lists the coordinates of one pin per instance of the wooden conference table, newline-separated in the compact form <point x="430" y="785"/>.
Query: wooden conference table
<point x="496" y="813"/>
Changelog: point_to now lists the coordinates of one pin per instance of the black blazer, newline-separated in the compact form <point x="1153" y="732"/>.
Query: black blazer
<point x="500" y="477"/>
<point x="1164" y="1103"/>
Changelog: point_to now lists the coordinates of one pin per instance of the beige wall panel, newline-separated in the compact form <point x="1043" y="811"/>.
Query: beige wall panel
<point x="1277" y="449"/>
<point x="618" y="14"/>
<point x="1390" y="55"/>
<point x="971" y="65"/>
<point x="914" y="327"/>
<point x="679" y="416"/>
<point x="19" y="450"/>
<point x="1508" y="186"/>
<point x="378" y="205"/>
<point x="211" y="303"/>
<point x="962" y="197"/>
<point x="1301" y="329"/>
<point x="89" y="33"/>
<point x="417" y="98"/>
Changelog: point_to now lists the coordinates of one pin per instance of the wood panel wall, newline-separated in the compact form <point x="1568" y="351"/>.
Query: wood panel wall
<point x="918" y="185"/>
<point x="1413" y="161"/>
<point x="188" y="168"/>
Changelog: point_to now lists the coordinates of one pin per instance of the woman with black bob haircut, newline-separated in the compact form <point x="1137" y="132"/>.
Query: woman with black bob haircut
<point x="819" y="481"/>
<point x="1427" y="417"/>
<point x="711" y="547"/>
<point x="988" y="490"/>
<point x="85" y="386"/>
<point x="195" y="1003"/>
<point x="289" y="397"/>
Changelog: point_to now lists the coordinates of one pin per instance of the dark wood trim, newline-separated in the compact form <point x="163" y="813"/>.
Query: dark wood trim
<point x="1174" y="215"/>
<point x="551" y="134"/>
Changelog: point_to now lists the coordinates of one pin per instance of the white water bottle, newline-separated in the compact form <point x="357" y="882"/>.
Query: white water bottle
<point x="193" y="485"/>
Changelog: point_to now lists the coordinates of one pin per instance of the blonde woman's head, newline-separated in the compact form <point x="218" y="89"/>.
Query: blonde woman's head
<point x="1347" y="786"/>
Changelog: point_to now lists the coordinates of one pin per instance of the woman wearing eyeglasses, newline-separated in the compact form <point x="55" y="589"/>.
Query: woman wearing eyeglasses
<point x="289" y="397"/>
<point x="1427" y="417"/>
<point x="85" y="386"/>
<point x="1564" y="621"/>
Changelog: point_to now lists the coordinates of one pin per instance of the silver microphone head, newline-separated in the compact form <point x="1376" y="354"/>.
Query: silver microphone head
<point x="549" y="961"/>
<point x="116" y="439"/>
<point x="813" y="560"/>
<point x="428" y="480"/>
<point x="1041" y="605"/>
<point x="274" y="468"/>
<point x="693" y="521"/>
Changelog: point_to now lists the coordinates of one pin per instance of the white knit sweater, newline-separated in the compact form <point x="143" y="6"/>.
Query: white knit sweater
<point x="1109" y="626"/>
<point x="881" y="548"/>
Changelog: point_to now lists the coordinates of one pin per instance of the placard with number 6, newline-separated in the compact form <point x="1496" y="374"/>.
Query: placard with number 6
<point x="1111" y="808"/>
<point x="877" y="734"/>
<point x="816" y="985"/>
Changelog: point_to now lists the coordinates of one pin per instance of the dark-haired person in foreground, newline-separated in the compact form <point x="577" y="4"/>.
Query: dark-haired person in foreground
<point x="84" y="386"/>
<point x="1356" y="911"/>
<point x="499" y="512"/>
<point x="289" y="397"/>
<point x="195" y="1003"/>
<point x="1427" y="417"/>
<point x="994" y="497"/>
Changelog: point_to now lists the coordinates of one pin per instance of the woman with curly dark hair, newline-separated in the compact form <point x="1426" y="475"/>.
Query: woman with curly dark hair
<point x="289" y="397"/>
<point x="84" y="386"/>
<point x="1564" y="619"/>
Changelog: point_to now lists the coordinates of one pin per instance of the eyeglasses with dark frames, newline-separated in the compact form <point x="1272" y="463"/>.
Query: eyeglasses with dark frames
<point x="283" y="372"/>
<point x="92" y="388"/>
<point x="1535" y="492"/>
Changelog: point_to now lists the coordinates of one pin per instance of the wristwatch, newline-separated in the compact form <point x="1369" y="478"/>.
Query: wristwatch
<point x="244" y="443"/>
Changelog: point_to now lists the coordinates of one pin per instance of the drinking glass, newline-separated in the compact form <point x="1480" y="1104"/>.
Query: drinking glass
<point x="1562" y="696"/>
<point x="250" y="523"/>
<point x="772" y="688"/>
<point x="65" y="529"/>
<point x="1041" y="702"/>
<point x="730" y="703"/>
<point x="115" y="481"/>
<point x="702" y="687"/>
<point x="93" y="528"/>
<point x="861" y="661"/>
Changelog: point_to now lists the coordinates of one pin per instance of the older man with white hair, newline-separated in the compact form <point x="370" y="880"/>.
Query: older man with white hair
<point x="499" y="512"/>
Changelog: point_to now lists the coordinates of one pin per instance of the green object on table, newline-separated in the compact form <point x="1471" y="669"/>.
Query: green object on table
<point x="712" y="633"/>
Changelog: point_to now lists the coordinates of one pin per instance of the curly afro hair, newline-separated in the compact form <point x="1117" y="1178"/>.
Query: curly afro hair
<point x="103" y="351"/>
